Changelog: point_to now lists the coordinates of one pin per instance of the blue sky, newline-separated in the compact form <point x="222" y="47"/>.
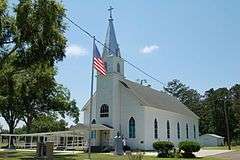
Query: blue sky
<point x="197" y="42"/>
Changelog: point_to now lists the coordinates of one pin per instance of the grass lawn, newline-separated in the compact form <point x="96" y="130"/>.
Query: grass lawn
<point x="16" y="155"/>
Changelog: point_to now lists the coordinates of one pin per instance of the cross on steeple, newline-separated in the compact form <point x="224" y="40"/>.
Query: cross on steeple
<point x="110" y="11"/>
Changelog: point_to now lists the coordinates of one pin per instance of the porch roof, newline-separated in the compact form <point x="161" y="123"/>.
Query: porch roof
<point x="97" y="127"/>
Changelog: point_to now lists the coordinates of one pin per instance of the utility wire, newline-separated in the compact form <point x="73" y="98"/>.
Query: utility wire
<point x="131" y="64"/>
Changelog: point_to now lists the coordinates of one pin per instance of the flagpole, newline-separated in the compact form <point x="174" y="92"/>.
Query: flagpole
<point x="90" y="108"/>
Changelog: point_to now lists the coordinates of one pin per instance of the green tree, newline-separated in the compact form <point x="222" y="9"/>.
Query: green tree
<point x="10" y="109"/>
<point x="35" y="31"/>
<point x="41" y="94"/>
<point x="235" y="97"/>
<point x="215" y="100"/>
<point x="26" y="94"/>
<point x="189" y="97"/>
<point x="31" y="41"/>
<point x="44" y="123"/>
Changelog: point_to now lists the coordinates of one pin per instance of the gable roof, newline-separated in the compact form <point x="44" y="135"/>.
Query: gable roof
<point x="88" y="102"/>
<point x="157" y="99"/>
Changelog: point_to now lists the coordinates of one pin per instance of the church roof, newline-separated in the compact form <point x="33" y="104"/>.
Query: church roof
<point x="157" y="99"/>
<point x="111" y="41"/>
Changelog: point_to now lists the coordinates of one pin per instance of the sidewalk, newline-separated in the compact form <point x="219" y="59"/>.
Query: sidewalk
<point x="201" y="153"/>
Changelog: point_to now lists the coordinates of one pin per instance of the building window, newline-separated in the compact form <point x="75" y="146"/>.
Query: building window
<point x="93" y="134"/>
<point x="93" y="121"/>
<point x="187" y="136"/>
<point x="104" y="111"/>
<point x="118" y="68"/>
<point x="105" y="64"/>
<point x="194" y="131"/>
<point x="132" y="128"/>
<point x="168" y="129"/>
<point x="178" y="130"/>
<point x="155" y="129"/>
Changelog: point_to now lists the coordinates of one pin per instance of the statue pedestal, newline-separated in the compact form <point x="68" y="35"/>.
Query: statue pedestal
<point x="118" y="145"/>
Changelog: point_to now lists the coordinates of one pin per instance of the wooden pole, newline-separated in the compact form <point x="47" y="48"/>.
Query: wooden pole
<point x="227" y="124"/>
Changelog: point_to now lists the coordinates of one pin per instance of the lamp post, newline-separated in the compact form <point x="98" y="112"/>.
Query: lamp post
<point x="227" y="124"/>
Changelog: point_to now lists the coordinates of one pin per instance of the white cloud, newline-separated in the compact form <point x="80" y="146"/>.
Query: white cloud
<point x="74" y="50"/>
<point x="149" y="49"/>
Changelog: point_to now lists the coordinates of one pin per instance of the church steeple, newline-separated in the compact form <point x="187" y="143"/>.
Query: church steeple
<point x="112" y="48"/>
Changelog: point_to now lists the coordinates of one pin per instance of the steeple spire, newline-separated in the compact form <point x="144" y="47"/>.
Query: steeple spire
<point x="111" y="44"/>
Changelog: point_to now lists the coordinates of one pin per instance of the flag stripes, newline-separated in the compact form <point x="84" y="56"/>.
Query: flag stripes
<point x="99" y="66"/>
<point x="98" y="63"/>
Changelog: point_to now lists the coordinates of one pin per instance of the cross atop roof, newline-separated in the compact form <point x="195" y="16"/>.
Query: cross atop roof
<point x="110" y="11"/>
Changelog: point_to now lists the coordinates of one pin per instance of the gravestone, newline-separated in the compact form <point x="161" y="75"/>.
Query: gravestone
<point x="45" y="150"/>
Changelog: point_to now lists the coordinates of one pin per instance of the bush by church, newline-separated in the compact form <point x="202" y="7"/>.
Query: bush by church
<point x="163" y="148"/>
<point x="167" y="149"/>
<point x="188" y="147"/>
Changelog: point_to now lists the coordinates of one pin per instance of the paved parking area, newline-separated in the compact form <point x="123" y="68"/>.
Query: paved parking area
<point x="229" y="155"/>
<point x="205" y="153"/>
<point x="201" y="153"/>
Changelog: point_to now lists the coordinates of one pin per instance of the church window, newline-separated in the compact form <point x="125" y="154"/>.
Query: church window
<point x="187" y="135"/>
<point x="194" y="130"/>
<point x="104" y="111"/>
<point x="118" y="68"/>
<point x="132" y="128"/>
<point x="168" y="129"/>
<point x="93" y="121"/>
<point x="178" y="130"/>
<point x="155" y="129"/>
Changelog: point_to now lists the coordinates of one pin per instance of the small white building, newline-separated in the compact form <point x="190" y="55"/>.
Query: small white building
<point x="211" y="140"/>
<point x="139" y="113"/>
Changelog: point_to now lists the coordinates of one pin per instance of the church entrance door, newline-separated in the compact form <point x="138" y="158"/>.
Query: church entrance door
<point x="104" y="137"/>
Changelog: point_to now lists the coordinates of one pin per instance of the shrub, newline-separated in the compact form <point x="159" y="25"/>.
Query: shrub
<point x="163" y="148"/>
<point x="189" y="147"/>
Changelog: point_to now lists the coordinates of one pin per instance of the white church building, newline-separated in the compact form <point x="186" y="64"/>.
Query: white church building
<point x="139" y="113"/>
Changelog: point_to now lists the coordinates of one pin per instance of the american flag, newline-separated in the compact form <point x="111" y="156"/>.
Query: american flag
<point x="97" y="61"/>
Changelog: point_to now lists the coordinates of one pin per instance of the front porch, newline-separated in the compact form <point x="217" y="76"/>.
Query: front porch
<point x="101" y="135"/>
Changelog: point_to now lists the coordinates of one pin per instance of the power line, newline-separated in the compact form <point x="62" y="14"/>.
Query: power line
<point x="131" y="64"/>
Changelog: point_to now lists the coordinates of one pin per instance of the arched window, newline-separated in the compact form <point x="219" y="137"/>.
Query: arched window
<point x="187" y="136"/>
<point x="194" y="131"/>
<point x="155" y="129"/>
<point x="132" y="128"/>
<point x="93" y="121"/>
<point x="105" y="64"/>
<point x="168" y="129"/>
<point x="178" y="130"/>
<point x="104" y="111"/>
<point x="118" y="68"/>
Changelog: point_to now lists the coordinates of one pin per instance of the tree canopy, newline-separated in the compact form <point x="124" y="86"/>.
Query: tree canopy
<point x="35" y="31"/>
<point x="32" y="41"/>
<point x="209" y="107"/>
<point x="44" y="123"/>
